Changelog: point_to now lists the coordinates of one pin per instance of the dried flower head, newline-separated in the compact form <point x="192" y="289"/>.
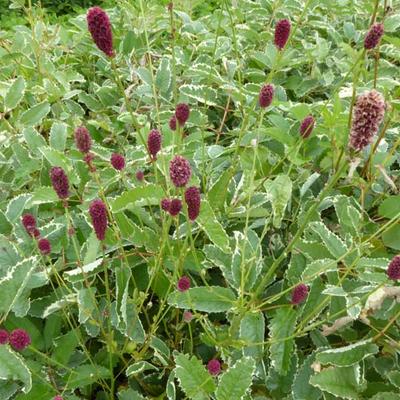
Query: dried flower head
<point x="368" y="114"/>
<point x="118" y="161"/>
<point x="180" y="171"/>
<point x="165" y="204"/>
<point x="307" y="126"/>
<point x="393" y="271"/>
<point x="266" y="95"/>
<point x="4" y="336"/>
<point x="192" y="199"/>
<point x="214" y="367"/>
<point x="282" y="33"/>
<point x="140" y="175"/>
<point x="83" y="139"/>
<point x="154" y="142"/>
<point x="373" y="36"/>
<point x="187" y="316"/>
<point x="44" y="246"/>
<point x="29" y="223"/>
<point x="172" y="123"/>
<point x="98" y="214"/>
<point x="100" y="28"/>
<point x="299" y="293"/>
<point x="175" y="207"/>
<point x="59" y="181"/>
<point x="19" y="339"/>
<point x="182" y="112"/>
<point x="183" y="284"/>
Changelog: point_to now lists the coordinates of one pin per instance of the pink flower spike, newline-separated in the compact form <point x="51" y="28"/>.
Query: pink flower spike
<point x="299" y="293"/>
<point x="183" y="284"/>
<point x="20" y="339"/>
<point x="214" y="367"/>
<point x="4" y="336"/>
<point x="393" y="271"/>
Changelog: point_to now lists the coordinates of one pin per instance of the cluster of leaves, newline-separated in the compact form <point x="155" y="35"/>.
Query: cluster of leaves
<point x="104" y="317"/>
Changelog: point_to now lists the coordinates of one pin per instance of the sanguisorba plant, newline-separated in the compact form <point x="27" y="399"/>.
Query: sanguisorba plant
<point x="201" y="206"/>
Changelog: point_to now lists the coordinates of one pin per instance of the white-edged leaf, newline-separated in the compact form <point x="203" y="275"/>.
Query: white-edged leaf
<point x="202" y="298"/>
<point x="193" y="378"/>
<point x="15" y="93"/>
<point x="278" y="192"/>
<point x="236" y="381"/>
<point x="348" y="355"/>
<point x="282" y="325"/>
<point x="341" y="382"/>
<point x="13" y="368"/>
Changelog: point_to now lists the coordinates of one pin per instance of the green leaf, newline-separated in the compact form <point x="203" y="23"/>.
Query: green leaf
<point x="15" y="93"/>
<point x="332" y="242"/>
<point x="217" y="193"/>
<point x="149" y="194"/>
<point x="58" y="136"/>
<point x="13" y="367"/>
<point x="33" y="139"/>
<point x="279" y="192"/>
<point x="390" y="207"/>
<point x="348" y="355"/>
<point x="85" y="375"/>
<point x="391" y="237"/>
<point x="34" y="115"/>
<point x="88" y="311"/>
<point x="301" y="389"/>
<point x="42" y="195"/>
<point x="236" y="381"/>
<point x="341" y="382"/>
<point x="163" y="76"/>
<point x="64" y="346"/>
<point x="139" y="367"/>
<point x="129" y="394"/>
<point x="193" y="378"/>
<point x="282" y="326"/>
<point x="247" y="260"/>
<point x="13" y="285"/>
<point x="252" y="332"/>
<point x="318" y="267"/>
<point x="207" y="299"/>
<point x="75" y="275"/>
<point x="16" y="207"/>
<point x="214" y="230"/>
<point x="201" y="93"/>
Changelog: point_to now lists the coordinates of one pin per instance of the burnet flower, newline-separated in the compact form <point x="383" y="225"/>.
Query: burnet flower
<point x="393" y="271"/>
<point x="179" y="171"/>
<point x="266" y="95"/>
<point x="83" y="140"/>
<point x="118" y="161"/>
<point x="282" y="33"/>
<point x="29" y="223"/>
<point x="165" y="204"/>
<point x="183" y="284"/>
<point x="59" y="180"/>
<point x="98" y="214"/>
<point x="299" y="293"/>
<point x="307" y="126"/>
<point x="182" y="112"/>
<point x="4" y="336"/>
<point x="368" y="114"/>
<point x="172" y="123"/>
<point x="154" y="142"/>
<point x="19" y="339"/>
<point x="214" y="367"/>
<point x="100" y="28"/>
<point x="193" y="200"/>
<point x="374" y="36"/>
<point x="175" y="207"/>
<point x="44" y="246"/>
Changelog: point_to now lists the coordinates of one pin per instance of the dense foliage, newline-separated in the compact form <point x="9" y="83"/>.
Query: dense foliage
<point x="200" y="200"/>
